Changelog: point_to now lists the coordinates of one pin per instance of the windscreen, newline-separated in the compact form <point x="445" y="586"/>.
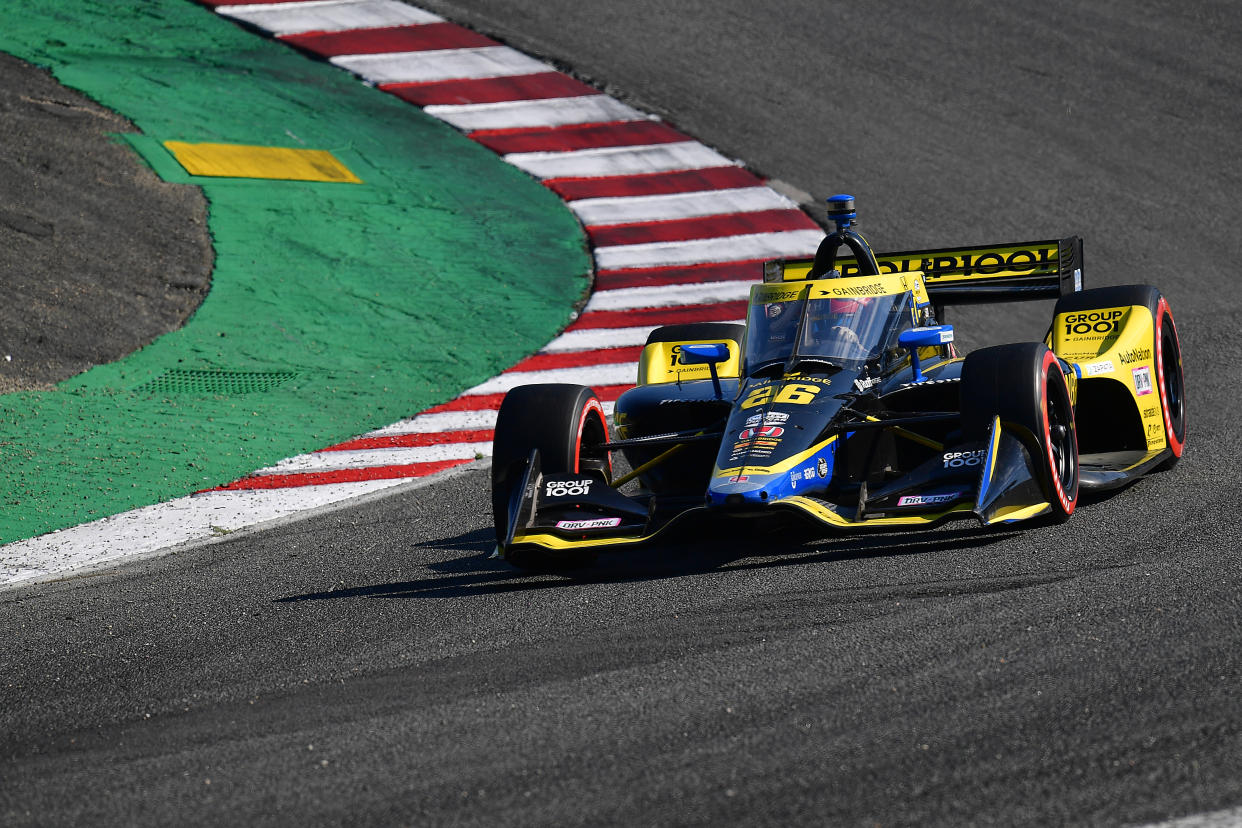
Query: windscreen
<point x="845" y="332"/>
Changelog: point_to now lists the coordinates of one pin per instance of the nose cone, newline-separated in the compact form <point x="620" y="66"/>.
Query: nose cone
<point x="742" y="490"/>
<point x="774" y="443"/>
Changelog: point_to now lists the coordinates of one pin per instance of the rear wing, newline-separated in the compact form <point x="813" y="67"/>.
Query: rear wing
<point x="968" y="275"/>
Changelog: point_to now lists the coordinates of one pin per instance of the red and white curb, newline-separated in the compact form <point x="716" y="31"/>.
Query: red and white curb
<point x="678" y="231"/>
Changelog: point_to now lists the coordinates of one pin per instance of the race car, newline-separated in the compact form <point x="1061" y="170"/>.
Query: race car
<point x="843" y="402"/>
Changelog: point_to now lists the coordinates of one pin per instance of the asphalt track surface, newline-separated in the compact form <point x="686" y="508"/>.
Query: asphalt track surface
<point x="372" y="665"/>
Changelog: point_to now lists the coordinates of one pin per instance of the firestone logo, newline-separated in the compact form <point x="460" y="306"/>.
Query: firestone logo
<point x="765" y="431"/>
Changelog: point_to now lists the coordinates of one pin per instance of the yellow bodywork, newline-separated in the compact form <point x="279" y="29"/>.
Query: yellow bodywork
<point x="1115" y="344"/>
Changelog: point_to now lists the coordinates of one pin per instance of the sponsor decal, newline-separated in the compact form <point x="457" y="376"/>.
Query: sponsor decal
<point x="594" y="523"/>
<point x="1142" y="380"/>
<point x="568" y="488"/>
<point x="927" y="500"/>
<point x="959" y="459"/>
<point x="764" y="431"/>
<point x="1094" y="369"/>
<point x="741" y="478"/>
<point x="1133" y="355"/>
<point x="776" y="293"/>
<point x="864" y="383"/>
<point x="1093" y="323"/>
<point x="872" y="289"/>
<point x="770" y="418"/>
<point x="1154" y="429"/>
<point x="821" y="467"/>
<point x="967" y="263"/>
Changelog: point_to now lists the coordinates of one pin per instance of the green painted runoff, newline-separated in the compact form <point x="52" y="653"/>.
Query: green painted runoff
<point x="334" y="308"/>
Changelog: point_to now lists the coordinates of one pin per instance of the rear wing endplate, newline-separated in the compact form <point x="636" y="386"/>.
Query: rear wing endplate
<point x="967" y="275"/>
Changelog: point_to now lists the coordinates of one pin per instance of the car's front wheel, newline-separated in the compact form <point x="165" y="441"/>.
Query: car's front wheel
<point x="566" y="423"/>
<point x="1025" y="386"/>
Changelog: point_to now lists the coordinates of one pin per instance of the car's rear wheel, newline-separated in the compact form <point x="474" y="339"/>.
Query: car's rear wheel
<point x="1025" y="386"/>
<point x="567" y="424"/>
<point x="1171" y="382"/>
<point x="1166" y="348"/>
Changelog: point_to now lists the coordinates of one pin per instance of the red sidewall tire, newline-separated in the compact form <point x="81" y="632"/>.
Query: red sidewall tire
<point x="1172" y="388"/>
<point x="565" y="422"/>
<point x="1024" y="384"/>
<point x="1053" y="383"/>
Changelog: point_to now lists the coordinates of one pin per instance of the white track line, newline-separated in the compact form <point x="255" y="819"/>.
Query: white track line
<point x="328" y="15"/>
<point x="441" y="64"/>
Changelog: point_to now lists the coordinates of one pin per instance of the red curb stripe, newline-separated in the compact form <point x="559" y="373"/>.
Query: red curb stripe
<point x="539" y="86"/>
<point x="415" y="440"/>
<point x="579" y="359"/>
<point x="413" y="38"/>
<point x="578" y="136"/>
<point x="661" y="183"/>
<point x="750" y="270"/>
<point x="290" y="481"/>
<point x="718" y="312"/>
<point x="702" y="227"/>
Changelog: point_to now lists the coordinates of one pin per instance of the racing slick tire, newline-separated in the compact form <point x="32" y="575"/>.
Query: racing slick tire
<point x="1166" y="347"/>
<point x="1024" y="384"/>
<point x="567" y="424"/>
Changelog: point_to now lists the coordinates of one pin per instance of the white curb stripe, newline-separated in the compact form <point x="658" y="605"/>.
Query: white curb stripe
<point x="591" y="339"/>
<point x="1231" y="818"/>
<point x="154" y="528"/>
<point x="549" y="112"/>
<point x="438" y="423"/>
<point x="702" y="251"/>
<point x="631" y="209"/>
<point x="328" y="15"/>
<point x="441" y="64"/>
<point x="620" y="373"/>
<point x="667" y="296"/>
<point x="594" y="163"/>
<point x="368" y="458"/>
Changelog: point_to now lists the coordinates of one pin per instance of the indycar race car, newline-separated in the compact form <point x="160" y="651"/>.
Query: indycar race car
<point x="842" y="401"/>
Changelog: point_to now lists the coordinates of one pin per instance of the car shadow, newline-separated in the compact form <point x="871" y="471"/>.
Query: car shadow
<point x="481" y="573"/>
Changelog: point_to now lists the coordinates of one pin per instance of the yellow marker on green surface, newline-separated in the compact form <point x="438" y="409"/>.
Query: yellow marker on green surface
<point x="244" y="161"/>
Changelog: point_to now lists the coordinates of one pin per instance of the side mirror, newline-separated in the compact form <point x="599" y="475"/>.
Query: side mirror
<point x="915" y="338"/>
<point x="710" y="353"/>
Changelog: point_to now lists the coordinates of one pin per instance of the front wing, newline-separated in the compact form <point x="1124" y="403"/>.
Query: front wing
<point x="566" y="512"/>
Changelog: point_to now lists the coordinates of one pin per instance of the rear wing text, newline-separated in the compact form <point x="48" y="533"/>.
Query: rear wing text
<point x="967" y="275"/>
